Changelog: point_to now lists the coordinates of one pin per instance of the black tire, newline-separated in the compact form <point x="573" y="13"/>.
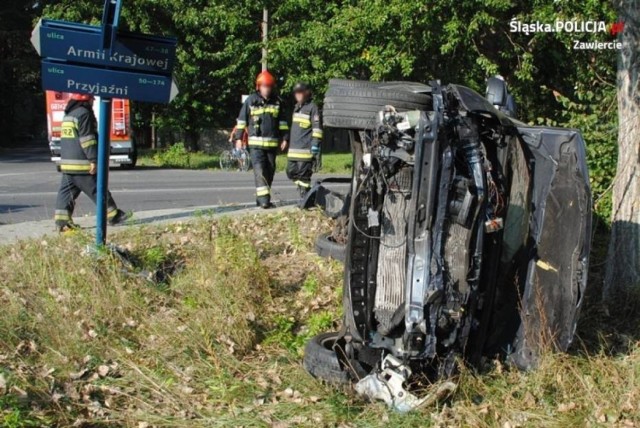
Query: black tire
<point x="357" y="107"/>
<point x="132" y="165"/>
<point x="396" y="85"/>
<point x="348" y="83"/>
<point x="321" y="361"/>
<point x="327" y="247"/>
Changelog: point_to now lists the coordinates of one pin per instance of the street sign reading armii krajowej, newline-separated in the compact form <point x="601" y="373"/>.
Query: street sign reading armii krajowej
<point x="79" y="43"/>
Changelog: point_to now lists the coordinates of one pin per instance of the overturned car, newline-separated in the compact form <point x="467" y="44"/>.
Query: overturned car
<point x="468" y="236"/>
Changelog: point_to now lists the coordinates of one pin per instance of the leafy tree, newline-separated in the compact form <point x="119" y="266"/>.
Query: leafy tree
<point x="462" y="41"/>
<point x="19" y="71"/>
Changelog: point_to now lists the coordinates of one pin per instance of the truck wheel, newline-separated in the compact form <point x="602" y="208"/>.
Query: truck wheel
<point x="132" y="165"/>
<point x="357" y="107"/>
<point x="327" y="247"/>
<point x="321" y="361"/>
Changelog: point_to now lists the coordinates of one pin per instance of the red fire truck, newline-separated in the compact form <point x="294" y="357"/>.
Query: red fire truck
<point x="123" y="148"/>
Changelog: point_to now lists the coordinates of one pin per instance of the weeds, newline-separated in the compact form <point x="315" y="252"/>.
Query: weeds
<point x="175" y="156"/>
<point x="83" y="342"/>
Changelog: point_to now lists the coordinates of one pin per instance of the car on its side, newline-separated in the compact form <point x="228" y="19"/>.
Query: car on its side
<point x="468" y="235"/>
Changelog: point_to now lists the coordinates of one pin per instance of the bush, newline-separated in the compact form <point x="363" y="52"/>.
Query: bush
<point x="175" y="156"/>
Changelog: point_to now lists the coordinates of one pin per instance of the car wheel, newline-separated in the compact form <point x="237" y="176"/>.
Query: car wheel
<point x="357" y="107"/>
<point x="132" y="165"/>
<point x="321" y="360"/>
<point x="326" y="246"/>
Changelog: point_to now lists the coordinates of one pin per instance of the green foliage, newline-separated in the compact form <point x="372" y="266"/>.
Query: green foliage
<point x="175" y="156"/>
<point x="293" y="337"/>
<point x="456" y="41"/>
<point x="310" y="284"/>
<point x="595" y="116"/>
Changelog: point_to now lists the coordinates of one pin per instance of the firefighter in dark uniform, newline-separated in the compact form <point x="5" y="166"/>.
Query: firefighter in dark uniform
<point x="264" y="118"/>
<point x="78" y="153"/>
<point x="306" y="136"/>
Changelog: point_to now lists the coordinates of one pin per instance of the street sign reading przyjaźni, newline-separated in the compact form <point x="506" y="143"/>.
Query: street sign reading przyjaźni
<point x="80" y="43"/>
<point x="137" y="86"/>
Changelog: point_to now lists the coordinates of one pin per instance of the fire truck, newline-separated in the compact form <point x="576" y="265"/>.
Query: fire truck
<point x="123" y="148"/>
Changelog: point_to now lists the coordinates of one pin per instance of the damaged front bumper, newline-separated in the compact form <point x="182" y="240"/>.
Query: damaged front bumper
<point x="387" y="384"/>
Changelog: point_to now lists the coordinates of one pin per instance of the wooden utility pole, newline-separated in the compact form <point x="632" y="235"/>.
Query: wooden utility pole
<point x="265" y="32"/>
<point x="153" y="129"/>
<point x="623" y="267"/>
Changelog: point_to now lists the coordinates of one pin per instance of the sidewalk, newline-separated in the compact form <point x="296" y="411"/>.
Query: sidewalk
<point x="10" y="233"/>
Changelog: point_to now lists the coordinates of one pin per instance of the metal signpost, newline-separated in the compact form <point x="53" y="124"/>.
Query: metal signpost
<point x="105" y="62"/>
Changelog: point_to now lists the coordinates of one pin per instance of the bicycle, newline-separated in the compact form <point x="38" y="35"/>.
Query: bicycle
<point x="235" y="159"/>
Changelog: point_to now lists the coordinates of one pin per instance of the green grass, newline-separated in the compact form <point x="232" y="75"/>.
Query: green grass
<point x="332" y="163"/>
<point x="84" y="341"/>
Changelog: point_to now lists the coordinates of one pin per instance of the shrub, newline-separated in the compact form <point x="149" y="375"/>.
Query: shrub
<point x="175" y="156"/>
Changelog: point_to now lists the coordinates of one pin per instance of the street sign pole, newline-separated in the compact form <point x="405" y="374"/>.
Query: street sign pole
<point x="103" y="170"/>
<point x="106" y="62"/>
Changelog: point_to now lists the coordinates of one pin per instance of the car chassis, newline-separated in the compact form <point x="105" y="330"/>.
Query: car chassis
<point x="468" y="237"/>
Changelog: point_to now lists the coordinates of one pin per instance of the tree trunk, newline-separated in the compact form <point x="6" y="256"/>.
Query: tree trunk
<point x="623" y="267"/>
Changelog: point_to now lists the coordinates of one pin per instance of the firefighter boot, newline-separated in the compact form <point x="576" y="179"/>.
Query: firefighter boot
<point x="118" y="217"/>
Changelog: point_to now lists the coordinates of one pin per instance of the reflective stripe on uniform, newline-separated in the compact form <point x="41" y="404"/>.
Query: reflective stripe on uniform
<point x="302" y="184"/>
<point x="284" y="126"/>
<point x="241" y="124"/>
<point x="317" y="133"/>
<point x="67" y="167"/>
<point x="302" y="119"/>
<point x="268" y="109"/>
<point x="263" y="142"/>
<point x="304" y="154"/>
<point x="88" y="143"/>
<point x="262" y="191"/>
<point x="62" y="215"/>
<point x="111" y="213"/>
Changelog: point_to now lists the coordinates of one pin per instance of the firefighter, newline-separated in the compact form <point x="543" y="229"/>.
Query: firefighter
<point x="306" y="136"/>
<point x="78" y="153"/>
<point x="263" y="116"/>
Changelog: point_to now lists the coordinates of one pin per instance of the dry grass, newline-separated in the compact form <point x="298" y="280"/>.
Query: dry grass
<point x="209" y="330"/>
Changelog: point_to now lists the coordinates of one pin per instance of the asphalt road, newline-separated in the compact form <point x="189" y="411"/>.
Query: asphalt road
<point x="29" y="184"/>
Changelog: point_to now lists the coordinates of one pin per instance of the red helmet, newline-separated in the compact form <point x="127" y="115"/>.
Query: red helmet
<point x="82" y="97"/>
<point x="265" y="78"/>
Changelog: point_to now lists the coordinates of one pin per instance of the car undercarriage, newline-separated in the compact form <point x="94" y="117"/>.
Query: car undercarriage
<point x="467" y="237"/>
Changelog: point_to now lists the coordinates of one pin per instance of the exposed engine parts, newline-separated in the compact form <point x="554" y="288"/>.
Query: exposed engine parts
<point x="444" y="224"/>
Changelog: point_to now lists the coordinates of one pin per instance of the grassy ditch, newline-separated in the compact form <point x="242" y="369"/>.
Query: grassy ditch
<point x="208" y="326"/>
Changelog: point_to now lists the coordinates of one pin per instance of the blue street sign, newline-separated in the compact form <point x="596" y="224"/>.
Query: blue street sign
<point x="64" y="77"/>
<point x="108" y="63"/>
<point x="80" y="43"/>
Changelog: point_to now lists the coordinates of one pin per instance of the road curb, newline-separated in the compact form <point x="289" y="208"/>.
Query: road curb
<point x="11" y="233"/>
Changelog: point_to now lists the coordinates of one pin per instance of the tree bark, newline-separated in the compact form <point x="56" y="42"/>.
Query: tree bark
<point x="623" y="267"/>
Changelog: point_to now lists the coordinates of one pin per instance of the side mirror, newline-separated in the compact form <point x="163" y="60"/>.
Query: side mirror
<point x="510" y="109"/>
<point x="497" y="91"/>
